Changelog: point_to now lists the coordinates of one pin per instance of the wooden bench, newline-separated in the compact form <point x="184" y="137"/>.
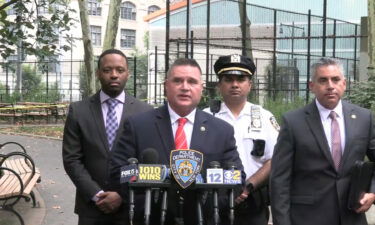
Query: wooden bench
<point x="18" y="176"/>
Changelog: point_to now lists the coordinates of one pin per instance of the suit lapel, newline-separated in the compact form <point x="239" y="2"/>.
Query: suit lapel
<point x="164" y="128"/>
<point x="316" y="127"/>
<point x="350" y="128"/>
<point x="96" y="109"/>
<point x="199" y="135"/>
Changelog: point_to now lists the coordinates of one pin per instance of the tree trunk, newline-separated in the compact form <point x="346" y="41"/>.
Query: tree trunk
<point x="88" y="51"/>
<point x="246" y="34"/>
<point x="112" y="24"/>
<point x="371" y="39"/>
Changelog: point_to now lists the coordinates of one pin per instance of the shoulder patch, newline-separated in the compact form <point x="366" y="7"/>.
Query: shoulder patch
<point x="274" y="123"/>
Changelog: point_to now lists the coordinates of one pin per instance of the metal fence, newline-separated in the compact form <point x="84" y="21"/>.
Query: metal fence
<point x="283" y="44"/>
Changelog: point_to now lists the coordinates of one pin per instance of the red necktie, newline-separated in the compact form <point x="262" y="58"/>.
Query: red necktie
<point x="335" y="140"/>
<point x="180" y="137"/>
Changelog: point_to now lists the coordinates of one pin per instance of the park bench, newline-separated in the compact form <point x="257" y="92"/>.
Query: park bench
<point x="18" y="176"/>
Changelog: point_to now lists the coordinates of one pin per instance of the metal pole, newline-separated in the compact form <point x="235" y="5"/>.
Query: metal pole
<point x="324" y="27"/>
<point x="334" y="39"/>
<point x="167" y="28"/>
<point x="292" y="43"/>
<point x="191" y="44"/>
<point x="355" y="54"/>
<point x="308" y="56"/>
<point x="208" y="39"/>
<point x="156" y="73"/>
<point x="135" y="77"/>
<point x="274" y="55"/>
<point x="187" y="27"/>
<point x="243" y="28"/>
<point x="71" y="70"/>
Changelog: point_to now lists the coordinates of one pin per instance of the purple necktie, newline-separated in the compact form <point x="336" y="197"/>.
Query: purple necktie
<point x="335" y="140"/>
<point x="111" y="121"/>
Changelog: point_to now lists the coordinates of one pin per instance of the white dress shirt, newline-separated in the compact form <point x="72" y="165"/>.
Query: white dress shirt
<point x="188" y="127"/>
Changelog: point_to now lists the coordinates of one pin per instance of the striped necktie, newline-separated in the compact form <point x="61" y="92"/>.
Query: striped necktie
<point x="180" y="137"/>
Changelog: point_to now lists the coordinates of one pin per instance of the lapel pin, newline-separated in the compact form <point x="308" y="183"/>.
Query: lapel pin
<point x="203" y="129"/>
<point x="354" y="116"/>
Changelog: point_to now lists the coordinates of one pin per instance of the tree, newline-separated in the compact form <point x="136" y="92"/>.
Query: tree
<point x="112" y="24"/>
<point x="246" y="23"/>
<point x="87" y="45"/>
<point x="363" y="93"/>
<point x="34" y="32"/>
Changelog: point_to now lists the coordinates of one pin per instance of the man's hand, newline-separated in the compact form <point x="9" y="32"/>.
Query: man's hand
<point x="108" y="201"/>
<point x="366" y="202"/>
<point x="242" y="197"/>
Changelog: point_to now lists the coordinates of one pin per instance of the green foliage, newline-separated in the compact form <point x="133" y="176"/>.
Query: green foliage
<point x="38" y="34"/>
<point x="141" y="75"/>
<point x="279" y="106"/>
<point x="363" y="94"/>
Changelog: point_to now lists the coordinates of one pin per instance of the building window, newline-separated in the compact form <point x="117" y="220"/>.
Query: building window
<point x="128" y="11"/>
<point x="127" y="38"/>
<point x="43" y="7"/>
<point x="10" y="9"/>
<point x="96" y="35"/>
<point x="94" y="8"/>
<point x="152" y="9"/>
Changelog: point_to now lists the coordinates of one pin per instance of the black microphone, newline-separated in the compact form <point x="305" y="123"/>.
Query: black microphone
<point x="148" y="156"/>
<point x="131" y="161"/>
<point x="214" y="166"/>
<point x="230" y="167"/>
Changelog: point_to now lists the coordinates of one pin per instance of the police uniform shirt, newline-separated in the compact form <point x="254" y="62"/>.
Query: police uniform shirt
<point x="244" y="135"/>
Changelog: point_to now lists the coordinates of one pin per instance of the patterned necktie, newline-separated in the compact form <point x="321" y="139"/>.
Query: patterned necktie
<point x="335" y="140"/>
<point x="111" y="121"/>
<point x="180" y="137"/>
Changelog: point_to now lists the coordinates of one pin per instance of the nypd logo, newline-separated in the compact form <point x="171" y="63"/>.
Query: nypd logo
<point x="185" y="166"/>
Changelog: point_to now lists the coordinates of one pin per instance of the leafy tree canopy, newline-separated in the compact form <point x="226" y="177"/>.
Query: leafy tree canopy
<point x="35" y="26"/>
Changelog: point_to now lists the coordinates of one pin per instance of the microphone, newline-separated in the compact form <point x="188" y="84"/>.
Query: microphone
<point x="215" y="176"/>
<point x="147" y="172"/>
<point x="132" y="162"/>
<point x="230" y="177"/>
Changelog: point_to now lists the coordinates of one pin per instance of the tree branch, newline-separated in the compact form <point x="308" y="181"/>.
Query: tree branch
<point x="11" y="2"/>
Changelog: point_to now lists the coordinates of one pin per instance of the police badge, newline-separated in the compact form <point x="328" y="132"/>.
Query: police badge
<point x="185" y="166"/>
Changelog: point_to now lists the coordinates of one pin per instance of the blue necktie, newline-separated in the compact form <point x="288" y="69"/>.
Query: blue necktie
<point x="111" y="121"/>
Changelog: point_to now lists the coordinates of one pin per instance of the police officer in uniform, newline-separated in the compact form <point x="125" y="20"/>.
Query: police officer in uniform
<point x="255" y="131"/>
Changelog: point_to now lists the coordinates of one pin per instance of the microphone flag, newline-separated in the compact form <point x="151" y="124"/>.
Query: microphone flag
<point x="185" y="165"/>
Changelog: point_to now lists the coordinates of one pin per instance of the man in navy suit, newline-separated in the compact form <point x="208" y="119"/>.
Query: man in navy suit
<point x="315" y="152"/>
<point x="86" y="149"/>
<point x="156" y="129"/>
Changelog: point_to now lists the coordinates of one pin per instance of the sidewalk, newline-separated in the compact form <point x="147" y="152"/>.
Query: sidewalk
<point x="55" y="193"/>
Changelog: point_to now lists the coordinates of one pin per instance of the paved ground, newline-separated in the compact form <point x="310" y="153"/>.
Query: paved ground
<point x="56" y="190"/>
<point x="55" y="194"/>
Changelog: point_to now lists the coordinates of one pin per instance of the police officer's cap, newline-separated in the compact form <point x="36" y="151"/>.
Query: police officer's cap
<point x="234" y="65"/>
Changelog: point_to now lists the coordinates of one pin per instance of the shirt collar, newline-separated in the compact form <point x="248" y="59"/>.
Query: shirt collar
<point x="324" y="112"/>
<point x="174" y="116"/>
<point x="104" y="97"/>
<point x="225" y="110"/>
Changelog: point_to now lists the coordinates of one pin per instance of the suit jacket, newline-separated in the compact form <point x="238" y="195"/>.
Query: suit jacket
<point x="85" y="149"/>
<point x="153" y="130"/>
<point x="305" y="187"/>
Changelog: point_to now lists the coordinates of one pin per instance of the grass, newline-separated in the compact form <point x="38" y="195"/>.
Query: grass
<point x="49" y="131"/>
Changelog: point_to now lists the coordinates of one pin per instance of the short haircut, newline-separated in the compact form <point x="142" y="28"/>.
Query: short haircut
<point x="326" y="61"/>
<point x="111" y="51"/>
<point x="184" y="62"/>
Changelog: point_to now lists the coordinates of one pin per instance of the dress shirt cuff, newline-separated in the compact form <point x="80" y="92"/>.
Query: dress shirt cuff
<point x="95" y="197"/>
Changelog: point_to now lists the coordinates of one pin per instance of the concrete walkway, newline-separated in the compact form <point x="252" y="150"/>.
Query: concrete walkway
<point x="55" y="194"/>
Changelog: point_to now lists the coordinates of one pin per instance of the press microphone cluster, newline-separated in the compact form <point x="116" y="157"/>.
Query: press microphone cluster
<point x="186" y="166"/>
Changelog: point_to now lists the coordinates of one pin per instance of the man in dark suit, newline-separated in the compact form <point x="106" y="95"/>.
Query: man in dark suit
<point x="315" y="152"/>
<point x="87" y="143"/>
<point x="157" y="128"/>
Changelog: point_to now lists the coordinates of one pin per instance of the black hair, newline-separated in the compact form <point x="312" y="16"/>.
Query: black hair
<point x="184" y="62"/>
<point x="111" y="51"/>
